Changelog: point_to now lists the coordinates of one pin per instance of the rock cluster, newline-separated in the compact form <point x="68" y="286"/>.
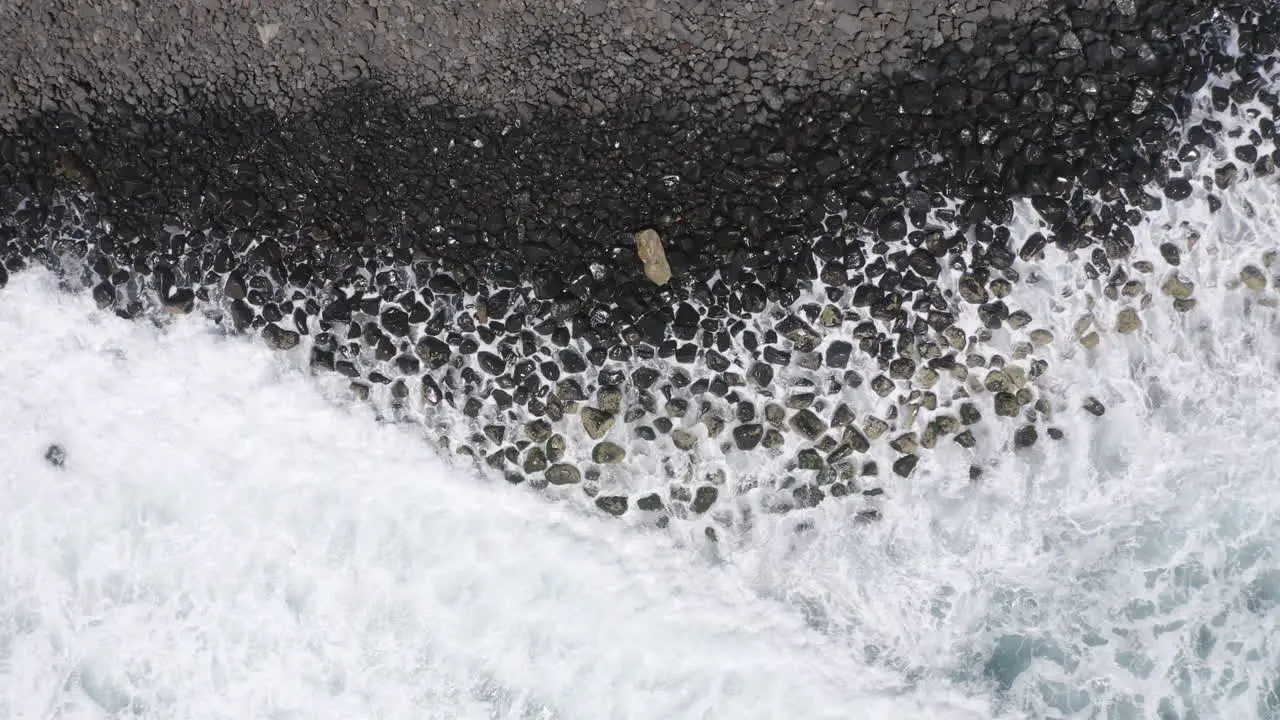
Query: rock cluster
<point x="736" y="61"/>
<point x="635" y="305"/>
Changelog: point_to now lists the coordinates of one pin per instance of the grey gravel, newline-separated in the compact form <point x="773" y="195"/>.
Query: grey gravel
<point x="505" y="56"/>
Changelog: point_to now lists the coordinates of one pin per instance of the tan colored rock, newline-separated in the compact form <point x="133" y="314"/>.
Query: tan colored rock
<point x="1127" y="321"/>
<point x="928" y="377"/>
<point x="1090" y="341"/>
<point x="70" y="166"/>
<point x="1253" y="278"/>
<point x="1041" y="337"/>
<point x="874" y="427"/>
<point x="649" y="248"/>
<point x="1017" y="375"/>
<point x="1177" y="287"/>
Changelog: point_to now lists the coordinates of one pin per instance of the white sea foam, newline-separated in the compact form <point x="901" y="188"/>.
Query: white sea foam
<point x="224" y="542"/>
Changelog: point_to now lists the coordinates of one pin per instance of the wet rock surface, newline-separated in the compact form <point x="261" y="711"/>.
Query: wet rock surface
<point x="837" y="289"/>
<point x="56" y="455"/>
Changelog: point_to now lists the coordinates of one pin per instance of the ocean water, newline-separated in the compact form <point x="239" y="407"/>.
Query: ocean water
<point x="229" y="538"/>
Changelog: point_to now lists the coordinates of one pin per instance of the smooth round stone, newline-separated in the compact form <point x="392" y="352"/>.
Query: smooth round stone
<point x="649" y="503"/>
<point x="714" y="424"/>
<point x="609" y="399"/>
<point x="615" y="505"/>
<point x="395" y="321"/>
<point x="1252" y="277"/>
<point x="535" y="460"/>
<point x="882" y="385"/>
<point x="997" y="381"/>
<point x="873" y="427"/>
<point x="1177" y="287"/>
<point x="901" y="368"/>
<point x="596" y="422"/>
<point x="677" y="407"/>
<point x="490" y="363"/>
<point x="842" y="416"/>
<point x="1094" y="406"/>
<point x="809" y="459"/>
<point x="563" y="474"/>
<point x="684" y="439"/>
<point x="1006" y="404"/>
<point x="407" y="364"/>
<point x="904" y="466"/>
<point x="434" y="352"/>
<point x="775" y="413"/>
<point x="838" y="354"/>
<point x="1018" y="319"/>
<point x="840" y="452"/>
<point x="808" y="424"/>
<point x="180" y="301"/>
<point x="1025" y="436"/>
<point x="571" y="361"/>
<point x="1127" y="321"/>
<point x="760" y="374"/>
<point x="608" y="453"/>
<point x="555" y="448"/>
<point x="538" y="430"/>
<point x="703" y="498"/>
<point x="905" y="443"/>
<point x="808" y="496"/>
<point x="278" y="338"/>
<point x="772" y="439"/>
<point x="854" y="438"/>
<point x="972" y="291"/>
<point x="1177" y="189"/>
<point x="800" y="401"/>
<point x="1041" y="337"/>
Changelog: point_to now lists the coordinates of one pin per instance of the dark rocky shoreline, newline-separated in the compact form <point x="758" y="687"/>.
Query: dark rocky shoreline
<point x="480" y="274"/>
<point x="545" y="199"/>
<point x="735" y="61"/>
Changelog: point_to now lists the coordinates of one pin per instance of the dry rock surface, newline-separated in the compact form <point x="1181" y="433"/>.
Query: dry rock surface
<point x="741" y="60"/>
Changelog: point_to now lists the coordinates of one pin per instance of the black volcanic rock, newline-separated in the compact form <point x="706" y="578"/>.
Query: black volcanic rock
<point x="395" y="321"/>
<point x="56" y="455"/>
<point x="552" y="180"/>
<point x="495" y="262"/>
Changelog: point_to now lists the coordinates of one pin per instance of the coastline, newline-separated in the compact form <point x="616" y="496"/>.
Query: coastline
<point x="835" y="270"/>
